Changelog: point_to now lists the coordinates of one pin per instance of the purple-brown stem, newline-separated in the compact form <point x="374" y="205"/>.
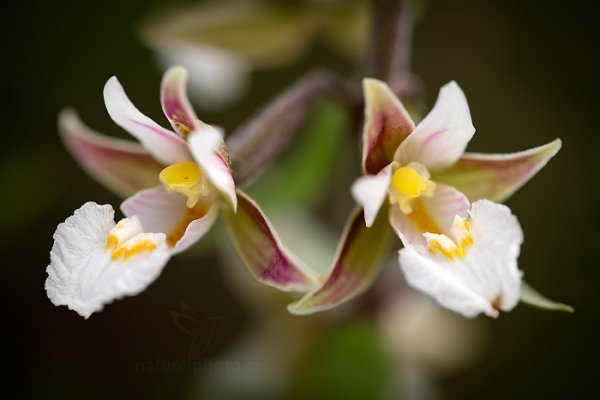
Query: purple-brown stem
<point x="266" y="134"/>
<point x="391" y="47"/>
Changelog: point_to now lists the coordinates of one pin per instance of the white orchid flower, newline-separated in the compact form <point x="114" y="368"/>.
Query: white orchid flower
<point x="95" y="261"/>
<point x="463" y="255"/>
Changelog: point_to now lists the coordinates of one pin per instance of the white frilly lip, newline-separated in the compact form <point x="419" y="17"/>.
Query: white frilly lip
<point x="83" y="274"/>
<point x="486" y="279"/>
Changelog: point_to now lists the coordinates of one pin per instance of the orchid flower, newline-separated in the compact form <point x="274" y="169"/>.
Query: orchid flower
<point x="462" y="254"/>
<point x="95" y="260"/>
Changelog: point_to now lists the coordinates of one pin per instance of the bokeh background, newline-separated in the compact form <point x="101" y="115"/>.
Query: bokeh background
<point x="530" y="74"/>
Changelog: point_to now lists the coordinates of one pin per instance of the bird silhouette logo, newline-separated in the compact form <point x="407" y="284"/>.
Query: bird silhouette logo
<point x="200" y="330"/>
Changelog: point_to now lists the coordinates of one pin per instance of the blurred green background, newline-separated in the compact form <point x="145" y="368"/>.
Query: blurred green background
<point x="530" y="74"/>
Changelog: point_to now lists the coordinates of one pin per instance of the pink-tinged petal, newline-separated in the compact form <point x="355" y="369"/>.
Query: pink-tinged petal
<point x="162" y="211"/>
<point x="164" y="145"/>
<point x="441" y="138"/>
<point x="205" y="146"/>
<point x="370" y="192"/>
<point x="497" y="176"/>
<point x="261" y="250"/>
<point x="122" y="166"/>
<point x="435" y="215"/>
<point x="356" y="265"/>
<point x="387" y="124"/>
<point x="175" y="103"/>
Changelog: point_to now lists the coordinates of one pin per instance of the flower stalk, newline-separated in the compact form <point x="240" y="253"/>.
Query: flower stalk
<point x="391" y="46"/>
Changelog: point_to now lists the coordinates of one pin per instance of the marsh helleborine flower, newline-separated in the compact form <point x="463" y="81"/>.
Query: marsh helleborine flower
<point x="94" y="260"/>
<point x="462" y="254"/>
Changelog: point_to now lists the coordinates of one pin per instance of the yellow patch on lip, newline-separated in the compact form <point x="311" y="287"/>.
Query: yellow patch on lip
<point x="422" y="219"/>
<point x="126" y="251"/>
<point x="452" y="248"/>
<point x="192" y="214"/>
<point x="187" y="179"/>
<point x="124" y="230"/>
<point x="436" y="247"/>
<point x="464" y="228"/>
<point x="112" y="241"/>
<point x="127" y="239"/>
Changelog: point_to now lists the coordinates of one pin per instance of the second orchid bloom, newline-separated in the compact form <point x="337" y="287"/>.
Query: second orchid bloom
<point x="420" y="180"/>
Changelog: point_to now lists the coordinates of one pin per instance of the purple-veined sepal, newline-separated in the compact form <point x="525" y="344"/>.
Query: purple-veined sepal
<point x="262" y="252"/>
<point x="497" y="176"/>
<point x="175" y="103"/>
<point x="387" y="124"/>
<point x="357" y="263"/>
<point x="122" y="166"/>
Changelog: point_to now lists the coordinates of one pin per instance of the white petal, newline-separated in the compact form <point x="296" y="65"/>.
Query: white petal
<point x="205" y="145"/>
<point x="486" y="278"/>
<point x="166" y="212"/>
<point x="370" y="191"/>
<point x="83" y="274"/>
<point x="441" y="138"/>
<point x="164" y="145"/>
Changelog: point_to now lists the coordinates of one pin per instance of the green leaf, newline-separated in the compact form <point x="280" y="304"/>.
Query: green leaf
<point x="532" y="297"/>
